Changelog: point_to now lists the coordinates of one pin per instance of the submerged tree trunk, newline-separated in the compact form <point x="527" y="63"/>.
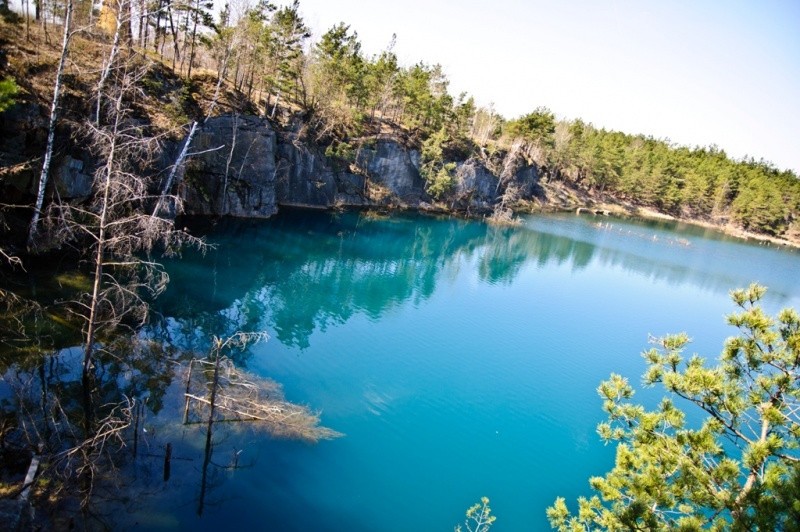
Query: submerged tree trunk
<point x="209" y="447"/>
<point x="51" y="129"/>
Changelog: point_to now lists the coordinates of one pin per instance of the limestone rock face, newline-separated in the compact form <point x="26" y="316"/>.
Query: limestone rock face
<point x="351" y="190"/>
<point x="240" y="166"/>
<point x="23" y="134"/>
<point x="233" y="172"/>
<point x="393" y="166"/>
<point x="527" y="179"/>
<point x="304" y="175"/>
<point x="72" y="180"/>
<point x="476" y="187"/>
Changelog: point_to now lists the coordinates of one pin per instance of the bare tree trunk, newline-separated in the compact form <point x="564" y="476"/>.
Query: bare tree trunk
<point x="236" y="74"/>
<point x="27" y="20"/>
<point x="186" y="393"/>
<point x="99" y="261"/>
<point x="172" y="173"/>
<point x="186" y="29"/>
<point x="158" y="29"/>
<point x="185" y="150"/>
<point x="126" y="14"/>
<point x="145" y="25"/>
<point x="250" y="83"/>
<point x="209" y="446"/>
<point x="112" y="58"/>
<point x="194" y="38"/>
<point x="176" y="51"/>
<point x="51" y="130"/>
<point x="142" y="16"/>
<point x="275" y="108"/>
<point x="228" y="163"/>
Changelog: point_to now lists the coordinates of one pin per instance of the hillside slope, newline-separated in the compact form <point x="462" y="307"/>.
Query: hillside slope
<point x="251" y="155"/>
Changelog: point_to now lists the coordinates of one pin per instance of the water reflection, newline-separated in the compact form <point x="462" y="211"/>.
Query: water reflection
<point x="679" y="253"/>
<point x="305" y="270"/>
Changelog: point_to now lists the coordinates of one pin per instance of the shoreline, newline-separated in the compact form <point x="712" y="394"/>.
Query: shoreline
<point x="726" y="229"/>
<point x="646" y="213"/>
<point x="560" y="197"/>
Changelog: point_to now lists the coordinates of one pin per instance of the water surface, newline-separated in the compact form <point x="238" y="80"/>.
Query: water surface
<point x="459" y="359"/>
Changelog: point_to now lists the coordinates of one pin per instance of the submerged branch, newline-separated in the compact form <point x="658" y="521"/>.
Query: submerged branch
<point x="246" y="397"/>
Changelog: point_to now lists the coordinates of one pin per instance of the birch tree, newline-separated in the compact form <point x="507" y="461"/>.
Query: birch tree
<point x="51" y="128"/>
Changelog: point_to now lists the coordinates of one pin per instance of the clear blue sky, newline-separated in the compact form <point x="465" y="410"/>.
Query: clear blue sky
<point x="692" y="71"/>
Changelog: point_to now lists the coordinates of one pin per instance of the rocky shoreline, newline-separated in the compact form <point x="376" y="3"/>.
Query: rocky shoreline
<point x="244" y="166"/>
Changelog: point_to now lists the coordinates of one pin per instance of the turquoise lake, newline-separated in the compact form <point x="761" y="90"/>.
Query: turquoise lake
<point x="459" y="359"/>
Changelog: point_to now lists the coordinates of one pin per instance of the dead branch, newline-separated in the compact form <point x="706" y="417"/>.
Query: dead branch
<point x="243" y="397"/>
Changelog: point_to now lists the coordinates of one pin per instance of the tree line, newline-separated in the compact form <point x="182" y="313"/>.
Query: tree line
<point x="698" y="183"/>
<point x="342" y="95"/>
<point x="345" y="94"/>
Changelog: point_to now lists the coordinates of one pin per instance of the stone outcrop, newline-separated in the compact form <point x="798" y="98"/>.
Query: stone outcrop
<point x="526" y="178"/>
<point x="239" y="165"/>
<point x="351" y="190"/>
<point x="394" y="167"/>
<point x="23" y="134"/>
<point x="476" y="187"/>
<point x="266" y="169"/>
<point x="304" y="175"/>
<point x="234" y="170"/>
<point x="72" y="179"/>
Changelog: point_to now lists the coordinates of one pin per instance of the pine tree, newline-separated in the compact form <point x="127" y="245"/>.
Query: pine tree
<point x="738" y="468"/>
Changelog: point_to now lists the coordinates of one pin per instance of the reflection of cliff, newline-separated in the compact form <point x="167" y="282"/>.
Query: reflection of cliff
<point x="506" y="250"/>
<point x="304" y="270"/>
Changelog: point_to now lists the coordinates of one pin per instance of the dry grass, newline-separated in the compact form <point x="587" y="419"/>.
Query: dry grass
<point x="168" y="100"/>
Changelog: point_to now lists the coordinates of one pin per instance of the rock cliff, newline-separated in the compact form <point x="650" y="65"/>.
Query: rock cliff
<point x="234" y="170"/>
<point x="240" y="165"/>
<point x="245" y="168"/>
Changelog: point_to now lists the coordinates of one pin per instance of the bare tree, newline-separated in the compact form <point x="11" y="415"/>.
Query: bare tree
<point x="503" y="212"/>
<point x="484" y="124"/>
<point x="218" y="391"/>
<point x="177" y="169"/>
<point x="120" y="235"/>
